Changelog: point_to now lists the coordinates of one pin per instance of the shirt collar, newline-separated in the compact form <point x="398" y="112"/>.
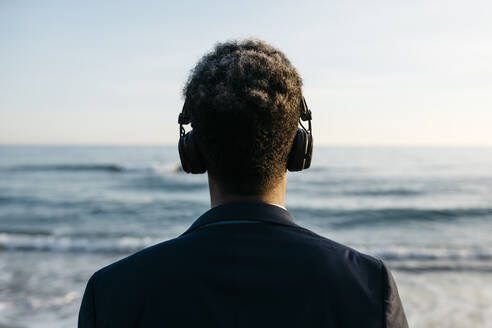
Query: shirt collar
<point x="261" y="212"/>
<point x="281" y="206"/>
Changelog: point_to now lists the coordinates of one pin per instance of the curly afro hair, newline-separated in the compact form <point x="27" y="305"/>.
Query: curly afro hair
<point x="244" y="104"/>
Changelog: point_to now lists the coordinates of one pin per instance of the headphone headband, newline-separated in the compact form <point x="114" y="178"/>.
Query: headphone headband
<point x="305" y="112"/>
<point x="183" y="120"/>
<point x="184" y="117"/>
<point x="306" y="115"/>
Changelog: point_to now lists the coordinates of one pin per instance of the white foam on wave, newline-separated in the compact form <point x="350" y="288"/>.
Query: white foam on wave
<point x="127" y="244"/>
<point x="451" y="299"/>
<point x="41" y="303"/>
<point x="431" y="253"/>
<point x="156" y="167"/>
<point x="69" y="244"/>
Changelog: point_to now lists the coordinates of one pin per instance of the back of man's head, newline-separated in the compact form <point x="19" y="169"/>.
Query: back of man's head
<point x="244" y="102"/>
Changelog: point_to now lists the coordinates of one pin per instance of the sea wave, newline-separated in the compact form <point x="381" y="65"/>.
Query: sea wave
<point x="431" y="253"/>
<point x="104" y="167"/>
<point x="384" y="192"/>
<point x="51" y="243"/>
<point x="349" y="218"/>
<point x="19" y="241"/>
<point x="167" y="183"/>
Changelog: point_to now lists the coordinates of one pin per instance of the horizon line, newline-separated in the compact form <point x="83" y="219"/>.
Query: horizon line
<point x="334" y="145"/>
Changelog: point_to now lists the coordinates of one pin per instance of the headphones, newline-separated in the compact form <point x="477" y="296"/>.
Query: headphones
<point x="299" y="156"/>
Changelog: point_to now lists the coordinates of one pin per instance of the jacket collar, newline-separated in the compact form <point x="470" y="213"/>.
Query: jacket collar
<point x="261" y="212"/>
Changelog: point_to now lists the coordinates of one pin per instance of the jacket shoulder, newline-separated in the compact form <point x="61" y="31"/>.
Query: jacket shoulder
<point x="143" y="260"/>
<point x="341" y="252"/>
<point x="119" y="291"/>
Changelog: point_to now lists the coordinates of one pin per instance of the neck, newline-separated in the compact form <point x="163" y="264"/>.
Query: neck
<point x="275" y="195"/>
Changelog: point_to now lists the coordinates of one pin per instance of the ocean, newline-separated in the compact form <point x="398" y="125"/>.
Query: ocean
<point x="66" y="211"/>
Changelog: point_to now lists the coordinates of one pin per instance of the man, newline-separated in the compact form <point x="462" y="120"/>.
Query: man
<point x="245" y="262"/>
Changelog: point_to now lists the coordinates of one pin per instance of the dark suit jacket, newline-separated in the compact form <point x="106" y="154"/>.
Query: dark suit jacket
<point x="244" y="265"/>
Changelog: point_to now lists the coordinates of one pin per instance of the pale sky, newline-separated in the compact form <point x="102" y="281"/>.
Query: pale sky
<point x="375" y="72"/>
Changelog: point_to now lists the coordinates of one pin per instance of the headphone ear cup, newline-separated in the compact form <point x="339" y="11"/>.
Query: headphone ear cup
<point x="296" y="155"/>
<point x="309" y="151"/>
<point x="191" y="159"/>
<point x="182" y="154"/>
<point x="301" y="151"/>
